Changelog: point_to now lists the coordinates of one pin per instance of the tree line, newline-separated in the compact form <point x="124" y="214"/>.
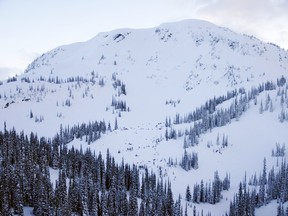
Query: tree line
<point x="87" y="184"/>
<point x="208" y="116"/>
<point x="210" y="192"/>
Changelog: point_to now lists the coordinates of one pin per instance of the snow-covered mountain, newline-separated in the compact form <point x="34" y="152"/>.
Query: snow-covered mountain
<point x="145" y="83"/>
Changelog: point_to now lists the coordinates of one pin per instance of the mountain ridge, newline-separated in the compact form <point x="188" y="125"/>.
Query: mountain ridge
<point x="192" y="39"/>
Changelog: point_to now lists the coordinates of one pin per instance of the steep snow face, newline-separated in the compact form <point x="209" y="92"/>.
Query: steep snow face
<point x="197" y="51"/>
<point x="156" y="73"/>
<point x="185" y="63"/>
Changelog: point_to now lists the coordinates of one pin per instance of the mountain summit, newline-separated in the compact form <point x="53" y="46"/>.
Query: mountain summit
<point x="198" y="51"/>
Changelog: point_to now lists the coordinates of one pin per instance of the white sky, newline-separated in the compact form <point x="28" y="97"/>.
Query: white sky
<point x="31" y="27"/>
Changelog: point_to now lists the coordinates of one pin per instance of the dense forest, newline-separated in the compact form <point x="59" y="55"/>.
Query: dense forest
<point x="87" y="183"/>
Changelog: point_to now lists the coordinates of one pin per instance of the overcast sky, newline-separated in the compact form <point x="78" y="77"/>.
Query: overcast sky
<point x="31" y="27"/>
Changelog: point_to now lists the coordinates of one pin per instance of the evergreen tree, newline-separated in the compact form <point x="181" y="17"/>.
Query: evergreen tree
<point x="133" y="206"/>
<point x="188" y="194"/>
<point x="116" y="124"/>
<point x="169" y="200"/>
<point x="261" y="108"/>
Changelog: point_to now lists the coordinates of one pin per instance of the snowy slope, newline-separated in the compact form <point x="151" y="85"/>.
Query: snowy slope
<point x="170" y="69"/>
<point x="198" y="49"/>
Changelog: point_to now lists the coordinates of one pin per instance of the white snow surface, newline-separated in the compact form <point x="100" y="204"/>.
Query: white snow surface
<point x="186" y="63"/>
